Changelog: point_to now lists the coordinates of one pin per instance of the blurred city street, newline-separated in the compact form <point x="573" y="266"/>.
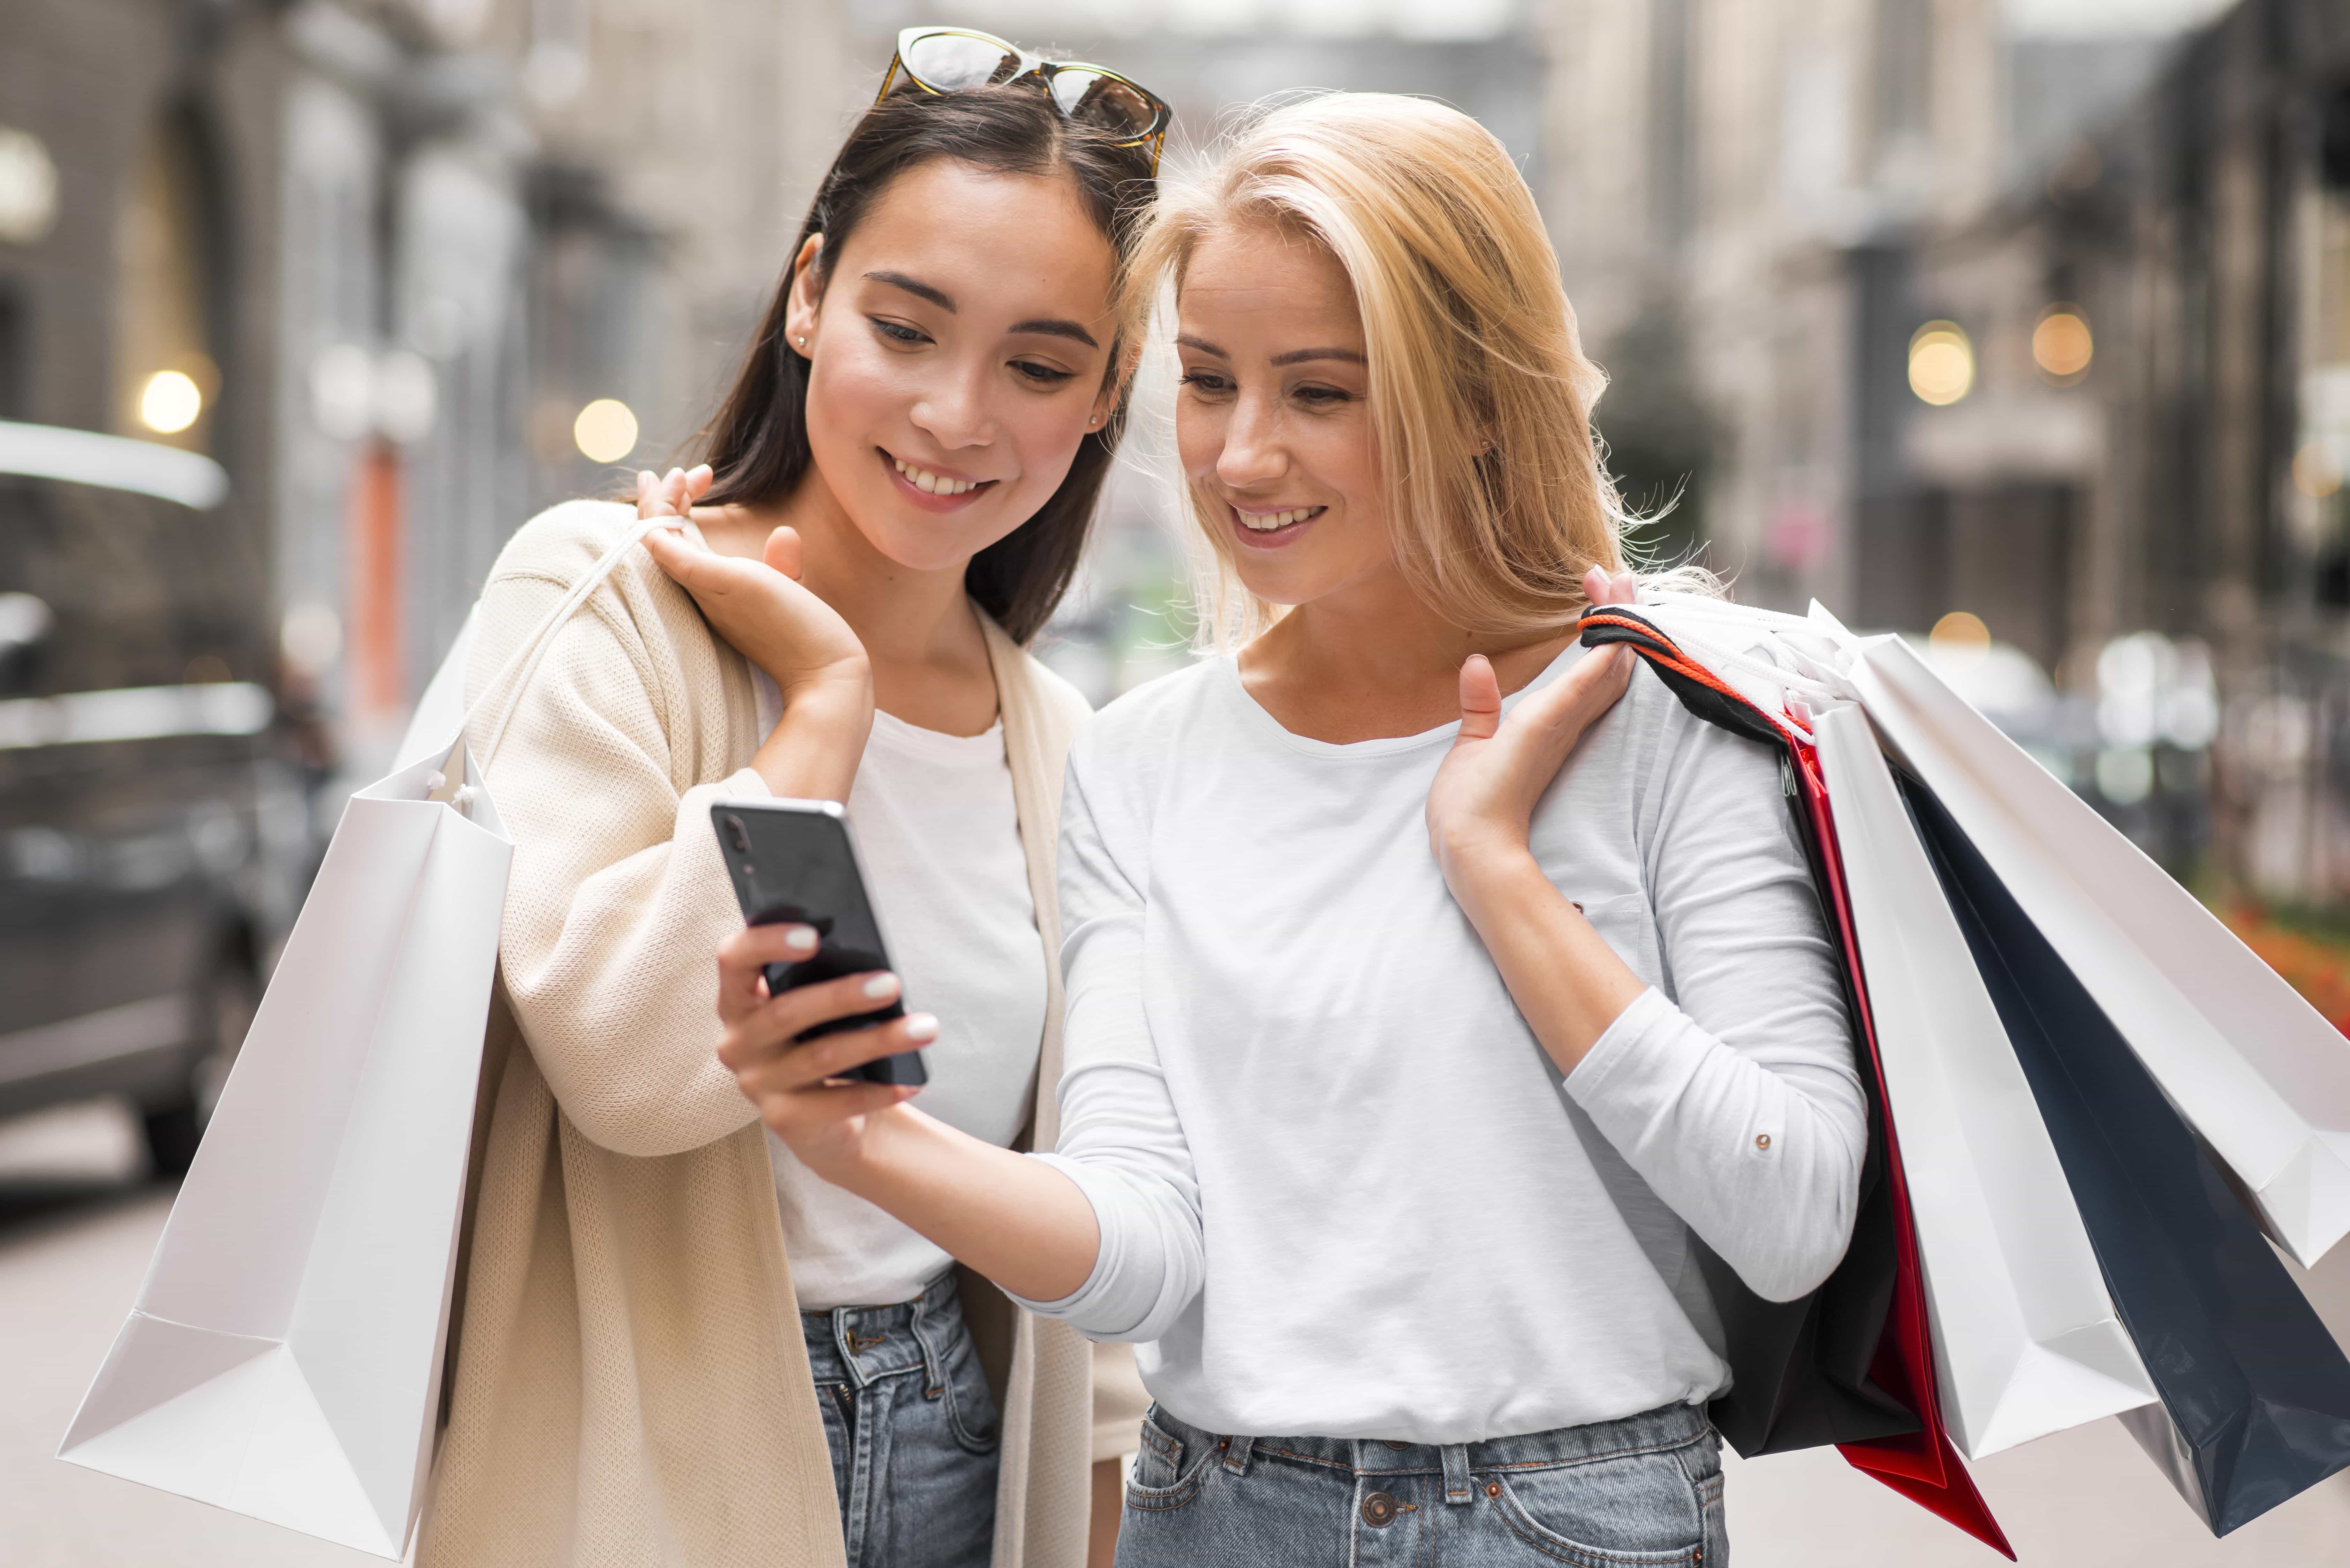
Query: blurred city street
<point x="77" y="1220"/>
<point x="2020" y="328"/>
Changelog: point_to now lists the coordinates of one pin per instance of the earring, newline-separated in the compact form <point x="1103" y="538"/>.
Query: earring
<point x="1095" y="421"/>
<point x="803" y="339"/>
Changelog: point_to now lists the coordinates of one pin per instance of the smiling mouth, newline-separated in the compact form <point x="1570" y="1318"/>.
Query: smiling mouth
<point x="1272" y="523"/>
<point x="928" y="483"/>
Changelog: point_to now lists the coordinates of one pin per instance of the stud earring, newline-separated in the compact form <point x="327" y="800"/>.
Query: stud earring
<point x="803" y="339"/>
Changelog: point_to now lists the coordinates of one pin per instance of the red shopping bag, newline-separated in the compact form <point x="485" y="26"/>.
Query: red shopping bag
<point x="1920" y="1463"/>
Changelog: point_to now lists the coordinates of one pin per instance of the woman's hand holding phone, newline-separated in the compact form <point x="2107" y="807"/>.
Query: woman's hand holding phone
<point x="1019" y="1221"/>
<point x="796" y="1087"/>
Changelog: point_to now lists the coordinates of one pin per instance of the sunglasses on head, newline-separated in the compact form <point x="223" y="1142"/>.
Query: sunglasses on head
<point x="957" y="59"/>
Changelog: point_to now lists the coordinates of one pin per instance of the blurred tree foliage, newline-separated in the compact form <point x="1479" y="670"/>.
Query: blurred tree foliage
<point x="1662" y="441"/>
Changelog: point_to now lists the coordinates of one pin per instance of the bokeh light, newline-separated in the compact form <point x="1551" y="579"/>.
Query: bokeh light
<point x="169" y="402"/>
<point x="606" y="430"/>
<point x="2314" y="472"/>
<point x="1960" y="631"/>
<point x="2061" y="344"/>
<point x="1941" y="363"/>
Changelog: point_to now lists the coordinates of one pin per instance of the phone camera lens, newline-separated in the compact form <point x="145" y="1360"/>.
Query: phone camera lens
<point x="736" y="836"/>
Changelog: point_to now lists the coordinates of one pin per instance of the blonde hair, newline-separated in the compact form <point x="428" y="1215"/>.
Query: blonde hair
<point x="1479" y="393"/>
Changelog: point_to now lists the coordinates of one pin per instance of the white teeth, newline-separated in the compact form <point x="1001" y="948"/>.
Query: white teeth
<point x="1266" y="522"/>
<point x="931" y="483"/>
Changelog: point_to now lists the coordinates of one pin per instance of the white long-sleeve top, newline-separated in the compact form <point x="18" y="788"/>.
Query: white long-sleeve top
<point x="1339" y="1189"/>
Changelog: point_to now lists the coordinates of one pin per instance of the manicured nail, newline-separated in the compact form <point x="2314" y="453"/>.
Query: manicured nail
<point x="881" y="987"/>
<point x="800" y="940"/>
<point x="922" y="1026"/>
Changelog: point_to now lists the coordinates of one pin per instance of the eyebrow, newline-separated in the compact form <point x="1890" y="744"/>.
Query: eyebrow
<point x="916" y="287"/>
<point x="1054" y="326"/>
<point x="1295" y="357"/>
<point x="1043" y="325"/>
<point x="1299" y="356"/>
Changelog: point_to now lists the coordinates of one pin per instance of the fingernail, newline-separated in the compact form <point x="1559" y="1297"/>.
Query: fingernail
<point x="881" y="986"/>
<point x="698" y="468"/>
<point x="800" y="940"/>
<point x="922" y="1026"/>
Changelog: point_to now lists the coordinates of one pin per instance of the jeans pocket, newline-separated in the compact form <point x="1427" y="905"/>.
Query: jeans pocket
<point x="1160" y="1481"/>
<point x="970" y="1403"/>
<point x="1636" y="1509"/>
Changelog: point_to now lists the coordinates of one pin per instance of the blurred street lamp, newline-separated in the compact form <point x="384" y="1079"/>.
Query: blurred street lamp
<point x="2061" y="344"/>
<point x="1941" y="363"/>
<point x="606" y="430"/>
<point x="169" y="402"/>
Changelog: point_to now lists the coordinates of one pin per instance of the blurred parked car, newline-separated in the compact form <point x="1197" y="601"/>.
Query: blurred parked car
<point x="135" y="774"/>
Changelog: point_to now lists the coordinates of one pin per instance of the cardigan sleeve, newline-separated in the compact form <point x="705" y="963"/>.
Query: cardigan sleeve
<point x="618" y="897"/>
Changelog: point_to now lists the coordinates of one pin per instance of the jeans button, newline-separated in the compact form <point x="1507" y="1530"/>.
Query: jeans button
<point x="1378" y="1510"/>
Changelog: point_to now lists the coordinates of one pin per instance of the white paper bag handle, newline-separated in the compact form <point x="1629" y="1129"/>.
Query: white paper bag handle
<point x="533" y="646"/>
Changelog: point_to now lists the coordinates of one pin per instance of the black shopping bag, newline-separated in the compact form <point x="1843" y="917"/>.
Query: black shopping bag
<point x="2255" y="1394"/>
<point x="1805" y="1372"/>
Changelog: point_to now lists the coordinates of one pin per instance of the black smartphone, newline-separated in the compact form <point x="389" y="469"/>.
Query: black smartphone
<point x="793" y="861"/>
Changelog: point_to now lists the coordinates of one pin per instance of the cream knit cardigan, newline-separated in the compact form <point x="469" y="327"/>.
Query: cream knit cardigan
<point x="628" y="1387"/>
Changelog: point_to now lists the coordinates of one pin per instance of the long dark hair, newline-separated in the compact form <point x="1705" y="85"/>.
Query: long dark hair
<point x="758" y="442"/>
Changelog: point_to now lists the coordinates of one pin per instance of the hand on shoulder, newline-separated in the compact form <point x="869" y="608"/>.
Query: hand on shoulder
<point x="760" y="607"/>
<point x="1484" y="792"/>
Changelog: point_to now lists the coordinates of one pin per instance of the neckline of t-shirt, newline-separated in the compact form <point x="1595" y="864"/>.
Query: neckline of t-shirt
<point x="1380" y="747"/>
<point x="987" y="746"/>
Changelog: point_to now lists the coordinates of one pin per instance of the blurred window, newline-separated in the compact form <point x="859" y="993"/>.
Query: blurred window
<point x="1904" y="48"/>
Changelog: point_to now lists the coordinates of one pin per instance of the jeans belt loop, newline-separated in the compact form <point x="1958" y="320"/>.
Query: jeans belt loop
<point x="934" y="1366"/>
<point x="1456" y="1473"/>
<point x="1236" y="1454"/>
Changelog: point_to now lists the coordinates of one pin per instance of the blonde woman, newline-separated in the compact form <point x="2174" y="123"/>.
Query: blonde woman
<point x="1432" y="981"/>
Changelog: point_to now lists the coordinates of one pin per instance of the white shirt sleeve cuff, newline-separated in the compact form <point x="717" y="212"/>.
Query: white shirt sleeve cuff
<point x="1112" y="1302"/>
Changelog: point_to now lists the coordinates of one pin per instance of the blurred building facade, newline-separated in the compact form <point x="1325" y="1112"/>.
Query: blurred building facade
<point x="1960" y="314"/>
<point x="397" y="246"/>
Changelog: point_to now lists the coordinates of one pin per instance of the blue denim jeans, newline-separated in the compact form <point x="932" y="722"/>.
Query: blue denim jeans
<point x="912" y="1429"/>
<point x="1643" y="1491"/>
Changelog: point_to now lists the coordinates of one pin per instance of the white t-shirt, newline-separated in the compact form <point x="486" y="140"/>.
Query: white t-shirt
<point x="1340" y="1193"/>
<point x="938" y="838"/>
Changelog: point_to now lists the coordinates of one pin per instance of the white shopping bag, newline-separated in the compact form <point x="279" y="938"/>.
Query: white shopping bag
<point x="283" y="1359"/>
<point x="2252" y="1066"/>
<point x="2026" y="1340"/>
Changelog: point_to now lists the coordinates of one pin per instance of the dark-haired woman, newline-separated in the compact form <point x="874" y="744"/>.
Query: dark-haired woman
<point x="675" y="1346"/>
